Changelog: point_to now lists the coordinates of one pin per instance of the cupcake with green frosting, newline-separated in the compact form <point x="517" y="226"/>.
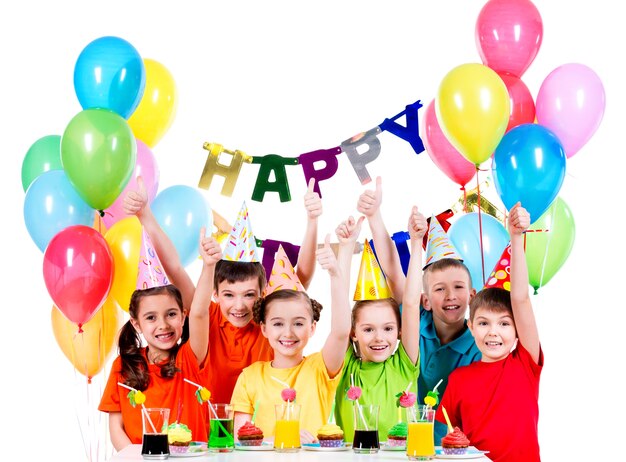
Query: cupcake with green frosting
<point x="397" y="434"/>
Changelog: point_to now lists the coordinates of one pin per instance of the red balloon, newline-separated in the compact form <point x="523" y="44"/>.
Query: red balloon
<point x="78" y="271"/>
<point x="508" y="35"/>
<point x="522" y="103"/>
<point x="443" y="154"/>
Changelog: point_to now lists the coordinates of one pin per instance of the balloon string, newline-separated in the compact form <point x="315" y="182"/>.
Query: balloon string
<point x="464" y="199"/>
<point x="545" y="255"/>
<point x="480" y="227"/>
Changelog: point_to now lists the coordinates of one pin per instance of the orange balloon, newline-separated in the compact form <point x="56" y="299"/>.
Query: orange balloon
<point x="124" y="239"/>
<point x="89" y="350"/>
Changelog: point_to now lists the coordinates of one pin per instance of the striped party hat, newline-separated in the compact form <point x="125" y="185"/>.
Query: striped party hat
<point x="439" y="246"/>
<point x="241" y="244"/>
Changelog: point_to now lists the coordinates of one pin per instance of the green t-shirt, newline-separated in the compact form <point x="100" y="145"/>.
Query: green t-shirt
<point x="380" y="383"/>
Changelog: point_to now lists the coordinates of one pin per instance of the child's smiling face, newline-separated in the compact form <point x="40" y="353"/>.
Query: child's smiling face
<point x="376" y="331"/>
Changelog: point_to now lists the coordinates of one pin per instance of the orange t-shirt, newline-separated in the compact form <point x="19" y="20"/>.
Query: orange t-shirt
<point x="230" y="350"/>
<point x="160" y="393"/>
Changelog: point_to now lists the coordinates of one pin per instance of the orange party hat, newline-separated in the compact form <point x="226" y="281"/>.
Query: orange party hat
<point x="501" y="274"/>
<point x="439" y="246"/>
<point x="241" y="244"/>
<point x="150" y="273"/>
<point x="371" y="283"/>
<point x="283" y="276"/>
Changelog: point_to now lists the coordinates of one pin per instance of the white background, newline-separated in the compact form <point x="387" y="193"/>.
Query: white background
<point x="292" y="77"/>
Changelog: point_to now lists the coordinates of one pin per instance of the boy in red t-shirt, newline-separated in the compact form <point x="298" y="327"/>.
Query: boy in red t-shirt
<point x="235" y="341"/>
<point x="495" y="401"/>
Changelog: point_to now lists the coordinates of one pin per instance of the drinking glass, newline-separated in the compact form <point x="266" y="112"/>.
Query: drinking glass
<point x="420" y="443"/>
<point x="155" y="444"/>
<point x="287" y="432"/>
<point x="221" y="428"/>
<point x="365" y="428"/>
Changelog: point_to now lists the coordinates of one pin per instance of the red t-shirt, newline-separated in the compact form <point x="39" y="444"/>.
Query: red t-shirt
<point x="160" y="393"/>
<point x="496" y="405"/>
<point x="230" y="350"/>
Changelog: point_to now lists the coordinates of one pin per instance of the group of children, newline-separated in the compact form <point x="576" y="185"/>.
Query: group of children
<point x="246" y="339"/>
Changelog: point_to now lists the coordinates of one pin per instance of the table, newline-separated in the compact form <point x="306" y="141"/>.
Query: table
<point x="133" y="453"/>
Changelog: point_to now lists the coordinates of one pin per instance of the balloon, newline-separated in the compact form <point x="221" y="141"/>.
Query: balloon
<point x="547" y="250"/>
<point x="89" y="350"/>
<point x="529" y="167"/>
<point x="465" y="235"/>
<point x="98" y="151"/>
<point x="110" y="74"/>
<point x="77" y="270"/>
<point x="44" y="155"/>
<point x="443" y="154"/>
<point x="508" y="35"/>
<point x="157" y="108"/>
<point x="124" y="239"/>
<point x="51" y="204"/>
<point x="182" y="211"/>
<point x="472" y="107"/>
<point x="146" y="167"/>
<point x="571" y="103"/>
<point x="520" y="100"/>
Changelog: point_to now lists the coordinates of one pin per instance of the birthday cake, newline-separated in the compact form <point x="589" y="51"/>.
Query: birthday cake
<point x="250" y="435"/>
<point x="455" y="443"/>
<point x="330" y="436"/>
<point x="179" y="437"/>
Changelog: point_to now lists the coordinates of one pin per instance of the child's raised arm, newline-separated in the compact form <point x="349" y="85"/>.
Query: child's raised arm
<point x="523" y="315"/>
<point x="410" y="337"/>
<point x="347" y="233"/>
<point x="334" y="348"/>
<point x="305" y="267"/>
<point x="369" y="205"/>
<point x="211" y="253"/>
<point x="136" y="203"/>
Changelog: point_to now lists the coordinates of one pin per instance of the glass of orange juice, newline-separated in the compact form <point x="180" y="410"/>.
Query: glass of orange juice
<point x="420" y="443"/>
<point x="287" y="431"/>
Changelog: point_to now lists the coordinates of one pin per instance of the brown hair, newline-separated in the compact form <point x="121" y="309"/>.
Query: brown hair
<point x="360" y="304"/>
<point x="493" y="299"/>
<point x="442" y="265"/>
<point x="135" y="372"/>
<point x="238" y="271"/>
<point x="259" y="311"/>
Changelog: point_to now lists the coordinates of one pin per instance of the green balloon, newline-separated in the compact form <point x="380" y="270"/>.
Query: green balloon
<point x="549" y="246"/>
<point x="98" y="152"/>
<point x="44" y="155"/>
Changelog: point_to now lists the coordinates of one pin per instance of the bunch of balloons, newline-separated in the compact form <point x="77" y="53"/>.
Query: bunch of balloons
<point x="485" y="112"/>
<point x="74" y="186"/>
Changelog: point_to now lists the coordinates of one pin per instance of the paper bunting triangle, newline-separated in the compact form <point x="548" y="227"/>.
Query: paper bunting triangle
<point x="439" y="246"/>
<point x="150" y="272"/>
<point x="283" y="276"/>
<point x="501" y="274"/>
<point x="241" y="244"/>
<point x="371" y="283"/>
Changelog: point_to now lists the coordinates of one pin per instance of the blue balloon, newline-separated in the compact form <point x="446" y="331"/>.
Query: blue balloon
<point x="529" y="166"/>
<point x="182" y="211"/>
<point x="52" y="204"/>
<point x="110" y="74"/>
<point x="465" y="235"/>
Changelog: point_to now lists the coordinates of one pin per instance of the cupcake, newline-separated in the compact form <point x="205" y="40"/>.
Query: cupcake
<point x="179" y="437"/>
<point x="250" y="435"/>
<point x="455" y="443"/>
<point x="330" y="436"/>
<point x="397" y="434"/>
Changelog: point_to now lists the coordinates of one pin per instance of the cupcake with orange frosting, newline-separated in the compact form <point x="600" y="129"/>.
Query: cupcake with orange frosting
<point x="455" y="442"/>
<point x="250" y="435"/>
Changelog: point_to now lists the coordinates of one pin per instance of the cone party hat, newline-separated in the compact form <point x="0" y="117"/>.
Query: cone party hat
<point x="150" y="272"/>
<point x="241" y="244"/>
<point x="439" y="246"/>
<point x="371" y="283"/>
<point x="501" y="274"/>
<point x="283" y="276"/>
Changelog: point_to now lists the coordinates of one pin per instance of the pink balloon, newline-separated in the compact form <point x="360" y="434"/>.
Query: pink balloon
<point x="443" y="154"/>
<point x="522" y="104"/>
<point x="508" y="35"/>
<point x="78" y="272"/>
<point x="571" y="103"/>
<point x="146" y="167"/>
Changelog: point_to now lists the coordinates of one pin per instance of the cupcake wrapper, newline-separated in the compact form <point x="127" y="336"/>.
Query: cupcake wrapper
<point x="331" y="443"/>
<point x="178" y="449"/>
<point x="396" y="442"/>
<point x="257" y="442"/>
<point x="454" y="451"/>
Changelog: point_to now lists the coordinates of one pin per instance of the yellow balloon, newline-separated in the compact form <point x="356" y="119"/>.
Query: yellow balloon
<point x="473" y="110"/>
<point x="156" y="110"/>
<point x="89" y="350"/>
<point x="124" y="239"/>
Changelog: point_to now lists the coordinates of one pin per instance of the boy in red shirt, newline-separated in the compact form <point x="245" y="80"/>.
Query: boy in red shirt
<point x="495" y="401"/>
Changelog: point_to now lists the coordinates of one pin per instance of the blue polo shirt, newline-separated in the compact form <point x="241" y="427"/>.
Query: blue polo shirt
<point x="437" y="360"/>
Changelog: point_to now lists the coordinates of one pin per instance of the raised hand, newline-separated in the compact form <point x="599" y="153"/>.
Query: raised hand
<point x="369" y="201"/>
<point x="135" y="201"/>
<point x="312" y="201"/>
<point x="519" y="220"/>
<point x="210" y="250"/>
<point x="418" y="226"/>
<point x="349" y="230"/>
<point x="326" y="257"/>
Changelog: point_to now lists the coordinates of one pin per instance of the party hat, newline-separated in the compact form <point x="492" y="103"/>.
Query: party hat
<point x="439" y="246"/>
<point x="283" y="276"/>
<point x="371" y="283"/>
<point x="150" y="272"/>
<point x="501" y="274"/>
<point x="241" y="244"/>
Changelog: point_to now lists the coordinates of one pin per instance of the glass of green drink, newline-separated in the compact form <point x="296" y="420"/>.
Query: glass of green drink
<point x="221" y="427"/>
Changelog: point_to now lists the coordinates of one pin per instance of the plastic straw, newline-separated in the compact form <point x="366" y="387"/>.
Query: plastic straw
<point x="192" y="383"/>
<point x="445" y="414"/>
<point x="256" y="408"/>
<point x="332" y="413"/>
<point x="143" y="406"/>
<point x="438" y="383"/>
<point x="280" y="381"/>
